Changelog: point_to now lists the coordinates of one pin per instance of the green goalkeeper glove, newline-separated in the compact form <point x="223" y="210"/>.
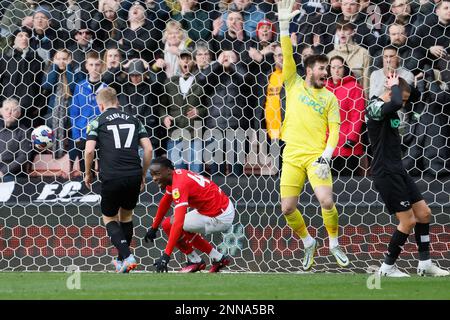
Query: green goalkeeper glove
<point x="285" y="13"/>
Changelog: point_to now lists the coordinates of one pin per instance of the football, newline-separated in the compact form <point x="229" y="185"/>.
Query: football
<point x="42" y="137"/>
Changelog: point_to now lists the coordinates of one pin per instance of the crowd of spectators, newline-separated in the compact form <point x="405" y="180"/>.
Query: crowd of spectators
<point x="184" y="67"/>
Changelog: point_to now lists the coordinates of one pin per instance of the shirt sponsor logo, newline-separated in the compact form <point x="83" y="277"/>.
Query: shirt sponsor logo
<point x="176" y="194"/>
<point x="311" y="103"/>
<point x="395" y="123"/>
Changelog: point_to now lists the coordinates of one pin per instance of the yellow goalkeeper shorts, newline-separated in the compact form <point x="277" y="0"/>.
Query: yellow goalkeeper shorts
<point x="294" y="171"/>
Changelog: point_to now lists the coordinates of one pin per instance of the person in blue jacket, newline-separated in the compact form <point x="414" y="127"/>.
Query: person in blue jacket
<point x="84" y="107"/>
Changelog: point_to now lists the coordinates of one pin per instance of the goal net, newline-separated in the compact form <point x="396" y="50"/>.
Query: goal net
<point x="204" y="78"/>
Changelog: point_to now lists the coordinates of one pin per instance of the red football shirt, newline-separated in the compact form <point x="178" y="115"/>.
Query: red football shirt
<point x="197" y="192"/>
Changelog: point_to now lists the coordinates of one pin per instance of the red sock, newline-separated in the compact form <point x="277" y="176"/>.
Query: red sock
<point x="182" y="245"/>
<point x="196" y="240"/>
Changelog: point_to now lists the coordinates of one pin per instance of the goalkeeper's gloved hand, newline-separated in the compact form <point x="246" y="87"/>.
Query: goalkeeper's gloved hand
<point x="323" y="167"/>
<point x="285" y="13"/>
<point x="161" y="263"/>
<point x="150" y="235"/>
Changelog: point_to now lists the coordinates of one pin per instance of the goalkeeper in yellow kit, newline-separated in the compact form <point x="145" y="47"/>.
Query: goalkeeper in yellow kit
<point x="311" y="112"/>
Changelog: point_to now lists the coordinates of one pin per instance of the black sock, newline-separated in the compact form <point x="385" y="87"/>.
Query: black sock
<point x="127" y="228"/>
<point x="117" y="237"/>
<point x="422" y="233"/>
<point x="397" y="241"/>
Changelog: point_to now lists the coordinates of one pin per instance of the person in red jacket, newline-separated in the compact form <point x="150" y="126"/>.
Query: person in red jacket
<point x="211" y="211"/>
<point x="350" y="95"/>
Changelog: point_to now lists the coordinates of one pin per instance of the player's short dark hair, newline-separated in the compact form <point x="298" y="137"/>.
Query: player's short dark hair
<point x="164" y="162"/>
<point x="311" y="61"/>
<point x="404" y="86"/>
<point x="390" y="47"/>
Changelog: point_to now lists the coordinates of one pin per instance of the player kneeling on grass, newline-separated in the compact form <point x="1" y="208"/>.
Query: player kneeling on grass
<point x="396" y="187"/>
<point x="118" y="136"/>
<point x="212" y="212"/>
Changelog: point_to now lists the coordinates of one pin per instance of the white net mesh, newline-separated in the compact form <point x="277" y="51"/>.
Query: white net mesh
<point x="57" y="54"/>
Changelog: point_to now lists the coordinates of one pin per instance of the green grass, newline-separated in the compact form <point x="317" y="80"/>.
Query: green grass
<point x="48" y="285"/>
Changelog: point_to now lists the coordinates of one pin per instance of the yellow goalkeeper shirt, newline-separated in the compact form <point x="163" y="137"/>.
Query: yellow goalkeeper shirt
<point x="308" y="110"/>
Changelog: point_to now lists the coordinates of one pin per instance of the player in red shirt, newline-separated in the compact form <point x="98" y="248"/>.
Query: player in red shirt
<point x="212" y="212"/>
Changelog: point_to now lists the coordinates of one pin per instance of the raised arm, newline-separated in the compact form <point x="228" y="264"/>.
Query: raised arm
<point x="285" y="15"/>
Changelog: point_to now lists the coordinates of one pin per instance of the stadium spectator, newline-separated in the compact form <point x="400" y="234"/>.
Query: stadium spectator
<point x="227" y="93"/>
<point x="356" y="57"/>
<point x="21" y="72"/>
<point x="84" y="43"/>
<point x="427" y="9"/>
<point x="18" y="14"/>
<point x="350" y="95"/>
<point x="434" y="55"/>
<point x="305" y="52"/>
<point x="157" y="11"/>
<point x="264" y="46"/>
<point x="15" y="144"/>
<point x="58" y="86"/>
<point x="234" y="38"/>
<point x="391" y="63"/>
<point x="398" y="39"/>
<point x="70" y="14"/>
<point x="175" y="40"/>
<point x="45" y="38"/>
<point x="250" y="16"/>
<point x="84" y="108"/>
<point x="261" y="64"/>
<point x="404" y="14"/>
<point x="202" y="56"/>
<point x="139" y="39"/>
<point x="139" y="98"/>
<point x="304" y="25"/>
<point x="350" y="14"/>
<point x="113" y="74"/>
<point x="184" y="114"/>
<point x="106" y="24"/>
<point x="432" y="50"/>
<point x="194" y="19"/>
<point x="271" y="100"/>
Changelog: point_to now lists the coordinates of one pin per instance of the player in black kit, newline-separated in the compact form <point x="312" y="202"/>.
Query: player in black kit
<point x="397" y="189"/>
<point x="117" y="136"/>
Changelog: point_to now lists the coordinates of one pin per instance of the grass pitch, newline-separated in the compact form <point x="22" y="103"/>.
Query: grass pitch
<point x="224" y="286"/>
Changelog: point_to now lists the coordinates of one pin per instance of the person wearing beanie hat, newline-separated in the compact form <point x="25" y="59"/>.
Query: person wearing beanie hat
<point x="83" y="43"/>
<point x="44" y="11"/>
<point x="265" y="30"/>
<point x="45" y="39"/>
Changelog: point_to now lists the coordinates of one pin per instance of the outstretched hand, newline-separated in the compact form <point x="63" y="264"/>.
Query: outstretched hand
<point x="392" y="80"/>
<point x="285" y="13"/>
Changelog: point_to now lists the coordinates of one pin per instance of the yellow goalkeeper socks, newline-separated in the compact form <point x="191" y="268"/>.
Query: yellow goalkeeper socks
<point x="296" y="222"/>
<point x="330" y="220"/>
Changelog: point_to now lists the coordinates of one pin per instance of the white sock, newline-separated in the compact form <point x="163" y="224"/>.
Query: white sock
<point x="215" y="255"/>
<point x="425" y="263"/>
<point x="308" y="241"/>
<point x="194" y="257"/>
<point x="333" y="242"/>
